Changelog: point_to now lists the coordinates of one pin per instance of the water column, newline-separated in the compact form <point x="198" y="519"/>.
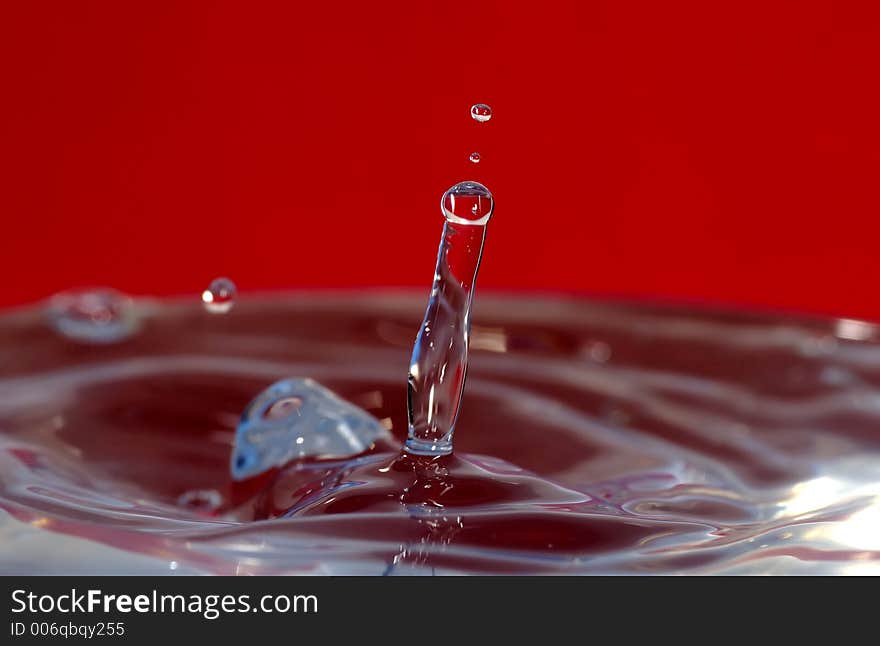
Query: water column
<point x="439" y="360"/>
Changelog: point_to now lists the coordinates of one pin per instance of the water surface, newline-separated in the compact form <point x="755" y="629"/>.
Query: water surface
<point x="593" y="438"/>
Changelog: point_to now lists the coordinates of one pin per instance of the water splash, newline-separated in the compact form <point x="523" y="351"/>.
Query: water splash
<point x="439" y="360"/>
<point x="682" y="464"/>
<point x="220" y="296"/>
<point x="296" y="419"/>
<point x="101" y="315"/>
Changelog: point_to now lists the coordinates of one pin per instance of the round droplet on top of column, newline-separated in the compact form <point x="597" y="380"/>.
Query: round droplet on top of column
<point x="467" y="203"/>
<point x="474" y="157"/>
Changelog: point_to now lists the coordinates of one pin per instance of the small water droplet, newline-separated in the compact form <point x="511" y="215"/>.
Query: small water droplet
<point x="481" y="112"/>
<point x="200" y="500"/>
<point x="101" y="315"/>
<point x="439" y="360"/>
<point x="474" y="157"/>
<point x="220" y="296"/>
<point x="468" y="203"/>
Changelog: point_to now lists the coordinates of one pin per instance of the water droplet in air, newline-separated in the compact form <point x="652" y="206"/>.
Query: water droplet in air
<point x="468" y="203"/>
<point x="474" y="157"/>
<point x="481" y="112"/>
<point x="220" y="296"/>
<point x="100" y="315"/>
<point x="201" y="500"/>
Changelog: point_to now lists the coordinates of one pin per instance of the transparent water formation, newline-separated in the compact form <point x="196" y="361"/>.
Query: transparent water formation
<point x="481" y="112"/>
<point x="299" y="418"/>
<point x="220" y="295"/>
<point x="92" y="316"/>
<point x="684" y="441"/>
<point x="438" y="366"/>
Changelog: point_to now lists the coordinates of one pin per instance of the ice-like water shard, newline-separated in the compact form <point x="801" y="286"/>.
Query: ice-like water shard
<point x="300" y="418"/>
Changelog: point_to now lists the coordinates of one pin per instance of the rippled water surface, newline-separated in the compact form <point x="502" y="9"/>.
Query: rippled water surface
<point x="593" y="438"/>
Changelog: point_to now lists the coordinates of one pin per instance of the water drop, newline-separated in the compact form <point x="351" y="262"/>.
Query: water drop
<point x="101" y="315"/>
<point x="481" y="112"/>
<point x="220" y="296"/>
<point x="467" y="203"/>
<point x="300" y="418"/>
<point x="439" y="360"/>
<point x="474" y="157"/>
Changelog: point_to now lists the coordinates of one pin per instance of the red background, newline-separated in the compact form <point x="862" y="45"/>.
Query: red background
<point x="687" y="150"/>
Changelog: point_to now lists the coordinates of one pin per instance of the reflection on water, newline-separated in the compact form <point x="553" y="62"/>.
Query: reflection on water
<point x="623" y="439"/>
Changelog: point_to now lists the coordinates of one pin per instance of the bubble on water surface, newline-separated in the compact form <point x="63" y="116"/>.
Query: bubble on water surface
<point x="481" y="112"/>
<point x="220" y="296"/>
<point x="100" y="315"/>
